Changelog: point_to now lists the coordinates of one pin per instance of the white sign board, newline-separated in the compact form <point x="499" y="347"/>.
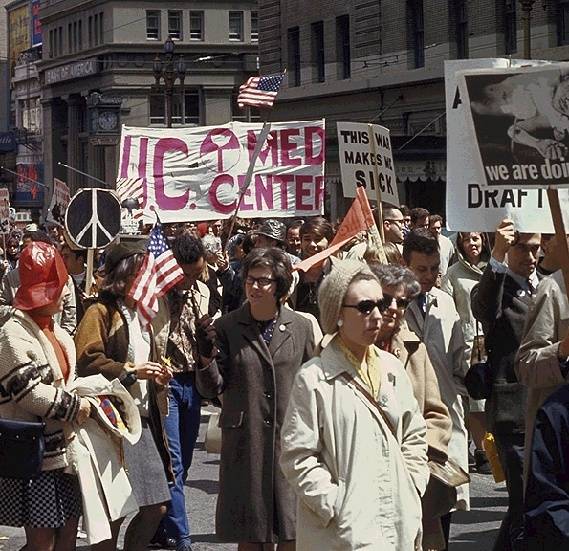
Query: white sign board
<point x="471" y="206"/>
<point x="198" y="173"/>
<point x="4" y="210"/>
<point x="363" y="164"/>
<point x="59" y="202"/>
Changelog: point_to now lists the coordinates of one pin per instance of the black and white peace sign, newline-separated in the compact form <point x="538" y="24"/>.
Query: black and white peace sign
<point x="93" y="218"/>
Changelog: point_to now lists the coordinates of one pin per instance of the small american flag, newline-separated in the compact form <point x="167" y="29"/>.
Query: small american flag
<point x="260" y="91"/>
<point x="159" y="273"/>
<point x="131" y="187"/>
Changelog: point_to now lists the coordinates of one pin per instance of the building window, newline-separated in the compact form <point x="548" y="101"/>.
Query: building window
<point x="236" y="25"/>
<point x="563" y="22"/>
<point x="196" y="25"/>
<point x="418" y="32"/>
<point x="343" y="52"/>
<point x="51" y="43"/>
<point x="293" y="41"/>
<point x="175" y="25"/>
<point x="248" y="114"/>
<point x="318" y="61"/>
<point x="186" y="110"/>
<point x="461" y="13"/>
<point x="80" y="34"/>
<point x="90" y="30"/>
<point x="101" y="29"/>
<point x="69" y="38"/>
<point x="152" y="25"/>
<point x="254" y="26"/>
<point x="59" y="41"/>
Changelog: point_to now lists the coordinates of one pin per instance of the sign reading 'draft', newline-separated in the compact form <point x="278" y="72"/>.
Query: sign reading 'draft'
<point x="198" y="173"/>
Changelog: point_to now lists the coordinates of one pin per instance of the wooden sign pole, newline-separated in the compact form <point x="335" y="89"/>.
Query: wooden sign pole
<point x="559" y="225"/>
<point x="89" y="274"/>
<point x="378" y="237"/>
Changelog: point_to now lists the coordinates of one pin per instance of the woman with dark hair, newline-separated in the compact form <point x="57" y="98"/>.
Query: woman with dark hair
<point x="112" y="341"/>
<point x="315" y="236"/>
<point x="260" y="347"/>
<point x="473" y="255"/>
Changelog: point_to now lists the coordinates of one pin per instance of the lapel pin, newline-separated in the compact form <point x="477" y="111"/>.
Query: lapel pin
<point x="282" y="327"/>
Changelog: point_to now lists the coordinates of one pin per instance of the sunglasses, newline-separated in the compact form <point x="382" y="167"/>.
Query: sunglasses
<point x="401" y="302"/>
<point x="366" y="307"/>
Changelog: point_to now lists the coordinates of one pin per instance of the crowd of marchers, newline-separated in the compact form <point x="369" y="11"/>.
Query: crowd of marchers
<point x="342" y="386"/>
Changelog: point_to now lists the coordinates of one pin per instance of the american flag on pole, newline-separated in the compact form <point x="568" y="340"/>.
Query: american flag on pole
<point x="130" y="187"/>
<point x="260" y="91"/>
<point x="159" y="273"/>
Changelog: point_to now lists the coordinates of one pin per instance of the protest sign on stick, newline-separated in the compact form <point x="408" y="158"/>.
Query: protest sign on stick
<point x="59" y="202"/>
<point x="366" y="160"/>
<point x="5" y="223"/>
<point x="199" y="173"/>
<point x="471" y="204"/>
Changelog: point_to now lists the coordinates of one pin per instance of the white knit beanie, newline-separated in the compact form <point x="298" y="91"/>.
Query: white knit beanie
<point x="333" y="290"/>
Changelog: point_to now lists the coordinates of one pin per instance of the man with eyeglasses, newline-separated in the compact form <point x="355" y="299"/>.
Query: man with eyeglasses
<point x="432" y="316"/>
<point x="393" y="224"/>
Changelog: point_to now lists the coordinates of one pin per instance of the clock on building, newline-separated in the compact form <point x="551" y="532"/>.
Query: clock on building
<point x="107" y="121"/>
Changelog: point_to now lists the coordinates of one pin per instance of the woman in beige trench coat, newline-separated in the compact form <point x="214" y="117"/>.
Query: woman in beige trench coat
<point x="358" y="472"/>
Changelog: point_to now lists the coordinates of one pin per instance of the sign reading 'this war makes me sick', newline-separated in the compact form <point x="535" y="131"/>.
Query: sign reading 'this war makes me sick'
<point x="363" y="163"/>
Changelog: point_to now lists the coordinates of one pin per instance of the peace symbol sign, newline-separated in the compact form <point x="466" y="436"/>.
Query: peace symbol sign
<point x="93" y="218"/>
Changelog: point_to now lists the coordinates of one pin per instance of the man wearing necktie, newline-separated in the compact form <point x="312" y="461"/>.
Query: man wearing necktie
<point x="501" y="302"/>
<point x="433" y="317"/>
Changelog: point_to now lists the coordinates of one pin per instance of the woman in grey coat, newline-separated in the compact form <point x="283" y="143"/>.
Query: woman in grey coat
<point x="260" y="346"/>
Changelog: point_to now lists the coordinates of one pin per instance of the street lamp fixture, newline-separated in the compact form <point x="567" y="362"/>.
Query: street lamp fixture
<point x="166" y="68"/>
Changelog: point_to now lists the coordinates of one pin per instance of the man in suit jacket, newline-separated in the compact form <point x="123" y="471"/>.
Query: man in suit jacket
<point x="500" y="301"/>
<point x="543" y="355"/>
<point x="432" y="316"/>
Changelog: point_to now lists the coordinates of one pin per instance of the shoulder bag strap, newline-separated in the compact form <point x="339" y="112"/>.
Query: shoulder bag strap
<point x="367" y="395"/>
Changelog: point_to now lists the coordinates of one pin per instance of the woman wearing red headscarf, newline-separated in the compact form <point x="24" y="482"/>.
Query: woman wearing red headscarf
<point x="37" y="360"/>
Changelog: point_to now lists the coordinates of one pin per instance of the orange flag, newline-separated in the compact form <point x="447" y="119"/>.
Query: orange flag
<point x="359" y="218"/>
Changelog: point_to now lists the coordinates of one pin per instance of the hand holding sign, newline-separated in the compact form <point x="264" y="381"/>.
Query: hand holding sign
<point x="505" y="238"/>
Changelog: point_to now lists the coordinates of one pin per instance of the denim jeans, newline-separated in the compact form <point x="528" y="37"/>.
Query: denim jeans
<point x="182" y="425"/>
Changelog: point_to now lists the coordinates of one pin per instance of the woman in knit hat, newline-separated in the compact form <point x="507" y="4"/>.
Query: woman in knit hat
<point x="37" y="360"/>
<point x="112" y="341"/>
<point x="353" y="438"/>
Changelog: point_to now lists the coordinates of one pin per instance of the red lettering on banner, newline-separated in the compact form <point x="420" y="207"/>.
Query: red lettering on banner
<point x="243" y="205"/>
<point x="287" y="147"/>
<point x="126" y="156"/>
<point x="142" y="160"/>
<point x="270" y="146"/>
<point x="310" y="132"/>
<point x="264" y="192"/>
<point x="164" y="201"/>
<point x="319" y="192"/>
<point x="223" y="208"/>
<point x="302" y="192"/>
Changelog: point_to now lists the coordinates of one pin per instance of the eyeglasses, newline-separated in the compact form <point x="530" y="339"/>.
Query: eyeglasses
<point x="260" y="281"/>
<point x="366" y="307"/>
<point x="401" y="302"/>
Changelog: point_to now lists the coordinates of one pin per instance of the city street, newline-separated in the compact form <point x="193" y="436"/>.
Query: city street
<point x="472" y="531"/>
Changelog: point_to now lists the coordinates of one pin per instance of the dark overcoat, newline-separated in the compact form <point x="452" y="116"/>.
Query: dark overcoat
<point x="255" y="502"/>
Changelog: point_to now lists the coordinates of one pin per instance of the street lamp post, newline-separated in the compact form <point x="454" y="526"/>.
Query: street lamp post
<point x="169" y="69"/>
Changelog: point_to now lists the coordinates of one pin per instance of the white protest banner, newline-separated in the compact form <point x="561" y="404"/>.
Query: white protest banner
<point x="4" y="210"/>
<point x="59" y="201"/>
<point x="358" y="160"/>
<point x="196" y="173"/>
<point x="471" y="206"/>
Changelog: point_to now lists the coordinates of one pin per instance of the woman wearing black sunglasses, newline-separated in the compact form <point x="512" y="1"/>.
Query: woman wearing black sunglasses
<point x="353" y="438"/>
<point x="400" y="286"/>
